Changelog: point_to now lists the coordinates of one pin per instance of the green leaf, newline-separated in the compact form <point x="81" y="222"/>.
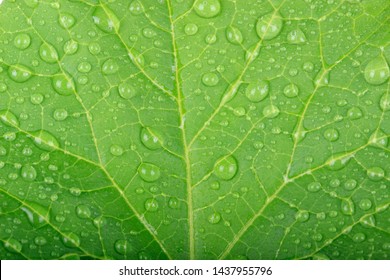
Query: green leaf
<point x="205" y="129"/>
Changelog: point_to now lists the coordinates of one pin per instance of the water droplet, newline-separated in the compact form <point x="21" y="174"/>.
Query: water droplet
<point x="106" y="20"/>
<point x="71" y="47"/>
<point x="214" y="218"/>
<point x="226" y="168"/>
<point x="63" y="86"/>
<point x="210" y="79"/>
<point x="365" y="204"/>
<point x="99" y="221"/>
<point x="36" y="214"/>
<point x="136" y="8"/>
<point x="234" y="35"/>
<point x="269" y="26"/>
<point x="116" y="150"/>
<point x="22" y="41"/>
<point x="8" y="118"/>
<point x="377" y="71"/>
<point x="239" y="111"/>
<point x="28" y="173"/>
<point x="83" y="211"/>
<point x="151" y="205"/>
<point x="350" y="184"/>
<point x="126" y="90"/>
<point x="314" y="187"/>
<point x="71" y="240"/>
<point x="110" y="67"/>
<point x="215" y="185"/>
<point x="84" y="67"/>
<point x="302" y="216"/>
<point x="308" y="66"/>
<point x="338" y="161"/>
<point x="60" y="114"/>
<point x="173" y="203"/>
<point x="13" y="245"/>
<point x="296" y="37"/>
<point x="207" y="8"/>
<point x="359" y="237"/>
<point x="384" y="103"/>
<point x="45" y="140"/>
<point x="256" y="92"/>
<point x="322" y="78"/>
<point x="66" y="20"/>
<point x="191" y="29"/>
<point x="375" y="173"/>
<point x="317" y="237"/>
<point x="354" y="113"/>
<point x="36" y="98"/>
<point x="149" y="172"/>
<point x="271" y="111"/>
<point x="368" y="221"/>
<point x="19" y="73"/>
<point x="211" y="39"/>
<point x="48" y="53"/>
<point x="75" y="191"/>
<point x="347" y="207"/>
<point x="331" y="134"/>
<point x="149" y="139"/>
<point x="320" y="256"/>
<point x="379" y="138"/>
<point x="291" y="90"/>
<point x="122" y="246"/>
<point x="40" y="241"/>
<point x="252" y="53"/>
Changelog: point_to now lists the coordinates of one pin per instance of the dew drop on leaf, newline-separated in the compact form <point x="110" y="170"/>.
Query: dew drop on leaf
<point x="257" y="91"/>
<point x="149" y="172"/>
<point x="28" y="173"/>
<point x="19" y="73"/>
<point x="296" y="37"/>
<point x="83" y="211"/>
<point x="375" y="173"/>
<point x="45" y="140"/>
<point x="214" y="218"/>
<point x="377" y="71"/>
<point x="347" y="207"/>
<point x="226" y="168"/>
<point x="106" y="20"/>
<point x="269" y="26"/>
<point x="22" y="41"/>
<point x="63" y="85"/>
<point x="71" y="240"/>
<point x="12" y="245"/>
<point x="8" y="118"/>
<point x="207" y="8"/>
<point x="151" y="205"/>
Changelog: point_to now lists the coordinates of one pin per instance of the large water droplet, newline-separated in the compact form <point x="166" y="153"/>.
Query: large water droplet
<point x="45" y="140"/>
<point x="60" y="114"/>
<point x="191" y="29"/>
<point x="355" y="113"/>
<point x="8" y="118"/>
<point x="350" y="184"/>
<point x="19" y="73"/>
<point x="210" y="79"/>
<point x="377" y="71"/>
<point x="71" y="47"/>
<point x="302" y="216"/>
<point x="368" y="221"/>
<point x="291" y="90"/>
<point x="151" y="205"/>
<point x="66" y="20"/>
<point x="150" y="139"/>
<point x="63" y="86"/>
<point x="106" y="20"/>
<point x="28" y="173"/>
<point x="375" y="173"/>
<point x="36" y="98"/>
<point x="234" y="35"/>
<point x="314" y="187"/>
<point x="22" y="41"/>
<point x="149" y="172"/>
<point x="384" y="103"/>
<point x="136" y="7"/>
<point x="379" y="138"/>
<point x="347" y="207"/>
<point x="322" y="78"/>
<point x="126" y="90"/>
<point x="40" y="241"/>
<point x="257" y="91"/>
<point x="48" y="53"/>
<point x="173" y="203"/>
<point x="214" y="218"/>
<point x="359" y="237"/>
<point x="207" y="8"/>
<point x="338" y="161"/>
<point x="12" y="245"/>
<point x="71" y="240"/>
<point x="296" y="37"/>
<point x="226" y="168"/>
<point x="110" y="67"/>
<point x="269" y="26"/>
<point x="37" y="215"/>
<point x="271" y="111"/>
<point x="83" y="211"/>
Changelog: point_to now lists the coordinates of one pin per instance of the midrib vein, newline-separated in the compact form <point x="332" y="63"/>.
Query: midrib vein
<point x="180" y="103"/>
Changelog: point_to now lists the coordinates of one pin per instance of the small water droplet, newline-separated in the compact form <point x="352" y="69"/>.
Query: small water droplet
<point x="83" y="211"/>
<point x="110" y="67"/>
<point x="377" y="71"/>
<point x="8" y="118"/>
<point x="71" y="240"/>
<point x="214" y="218"/>
<point x="207" y="8"/>
<point x="296" y="37"/>
<point x="12" y="245"/>
<point x="257" y="91"/>
<point x="66" y="20"/>
<point x="347" y="207"/>
<point x="210" y="79"/>
<point x="62" y="85"/>
<point x="350" y="184"/>
<point x="226" y="168"/>
<point x="338" y="161"/>
<point x="71" y="47"/>
<point x="314" y="187"/>
<point x="365" y="204"/>
<point x="151" y="205"/>
<point x="48" y="53"/>
<point x="234" y="35"/>
<point x="149" y="172"/>
<point x="191" y="29"/>
<point x="269" y="26"/>
<point x="126" y="90"/>
<point x="359" y="237"/>
<point x="116" y="150"/>
<point x="354" y="113"/>
<point x="271" y="111"/>
<point x="122" y="246"/>
<point x="173" y="203"/>
<point x="149" y="139"/>
<point x="45" y="140"/>
<point x="136" y="8"/>
<point x="384" y="103"/>
<point x="40" y="241"/>
<point x="331" y="134"/>
<point x="60" y="114"/>
<point x="302" y="216"/>
<point x="368" y="221"/>
<point x="291" y="90"/>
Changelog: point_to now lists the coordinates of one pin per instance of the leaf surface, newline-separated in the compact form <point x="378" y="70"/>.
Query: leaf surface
<point x="206" y="129"/>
